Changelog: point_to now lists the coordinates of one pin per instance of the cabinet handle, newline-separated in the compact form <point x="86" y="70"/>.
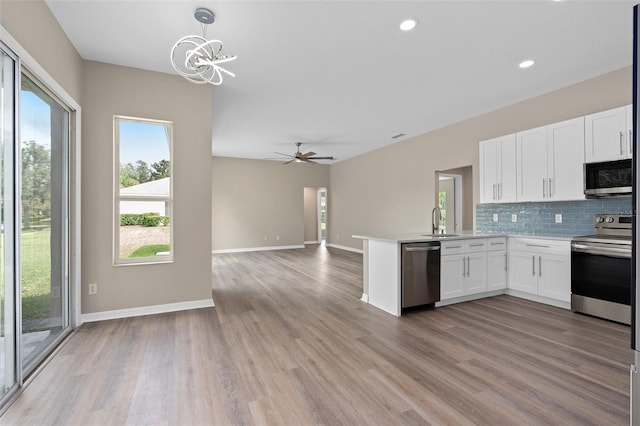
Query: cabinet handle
<point x="537" y="245"/>
<point x="497" y="244"/>
<point x="464" y="268"/>
<point x="630" y="142"/>
<point x="533" y="265"/>
<point x="621" y="143"/>
<point x="544" y="188"/>
<point x="468" y="267"/>
<point x="451" y="247"/>
<point x="506" y="260"/>
<point x="476" y="245"/>
<point x="550" y="187"/>
<point x="539" y="266"/>
<point x="494" y="191"/>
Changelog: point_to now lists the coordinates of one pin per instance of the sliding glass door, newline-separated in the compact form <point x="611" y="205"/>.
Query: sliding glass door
<point x="8" y="364"/>
<point x="44" y="142"/>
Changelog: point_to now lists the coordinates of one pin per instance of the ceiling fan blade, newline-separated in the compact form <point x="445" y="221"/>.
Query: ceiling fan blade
<point x="319" y="158"/>
<point x="282" y="153"/>
<point x="306" y="160"/>
<point x="287" y="162"/>
<point x="309" y="154"/>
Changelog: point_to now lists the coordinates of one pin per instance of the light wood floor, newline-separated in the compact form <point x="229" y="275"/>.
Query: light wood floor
<point x="290" y="343"/>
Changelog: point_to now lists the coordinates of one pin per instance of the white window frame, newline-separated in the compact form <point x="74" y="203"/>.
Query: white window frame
<point x="117" y="260"/>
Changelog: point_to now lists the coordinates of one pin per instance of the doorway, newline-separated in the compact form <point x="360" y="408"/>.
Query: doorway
<point x="315" y="215"/>
<point x="454" y="192"/>
<point x="322" y="215"/>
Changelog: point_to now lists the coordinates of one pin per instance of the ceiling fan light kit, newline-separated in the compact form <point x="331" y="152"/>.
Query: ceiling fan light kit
<point x="299" y="157"/>
<point x="198" y="59"/>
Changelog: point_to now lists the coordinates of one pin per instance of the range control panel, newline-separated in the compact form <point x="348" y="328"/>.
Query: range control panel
<point x="619" y="221"/>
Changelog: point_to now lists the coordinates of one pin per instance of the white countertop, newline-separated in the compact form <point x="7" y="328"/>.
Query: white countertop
<point x="412" y="237"/>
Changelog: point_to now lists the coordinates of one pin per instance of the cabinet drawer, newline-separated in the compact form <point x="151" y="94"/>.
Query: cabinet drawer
<point x="475" y="245"/>
<point x="494" y="244"/>
<point x="452" y="247"/>
<point x="539" y="245"/>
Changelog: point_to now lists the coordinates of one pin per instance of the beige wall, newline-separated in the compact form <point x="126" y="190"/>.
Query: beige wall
<point x="254" y="199"/>
<point x="393" y="189"/>
<point x="109" y="90"/>
<point x="311" y="214"/>
<point x="33" y="25"/>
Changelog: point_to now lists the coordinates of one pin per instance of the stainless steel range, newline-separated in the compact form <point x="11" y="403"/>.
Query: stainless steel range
<point x="601" y="269"/>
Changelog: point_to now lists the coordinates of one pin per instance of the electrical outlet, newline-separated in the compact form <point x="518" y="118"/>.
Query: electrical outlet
<point x="277" y="237"/>
<point x="559" y="218"/>
<point x="93" y="288"/>
<point x="514" y="217"/>
<point x="265" y="238"/>
<point x="495" y="217"/>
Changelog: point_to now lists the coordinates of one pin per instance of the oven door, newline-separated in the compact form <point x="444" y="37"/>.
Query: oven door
<point x="601" y="271"/>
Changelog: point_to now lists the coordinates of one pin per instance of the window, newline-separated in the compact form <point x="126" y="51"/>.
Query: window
<point x="143" y="206"/>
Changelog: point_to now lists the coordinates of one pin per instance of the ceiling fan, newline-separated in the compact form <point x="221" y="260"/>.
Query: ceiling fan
<point x="299" y="157"/>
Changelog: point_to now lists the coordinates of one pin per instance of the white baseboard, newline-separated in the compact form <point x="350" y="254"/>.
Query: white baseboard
<point x="147" y="310"/>
<point x="312" y="242"/>
<point x="347" y="248"/>
<point x="365" y="298"/>
<point x="240" y="250"/>
<point x="539" y="299"/>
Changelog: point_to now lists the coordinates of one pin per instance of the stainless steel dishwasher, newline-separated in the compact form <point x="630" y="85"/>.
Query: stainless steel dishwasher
<point x="420" y="274"/>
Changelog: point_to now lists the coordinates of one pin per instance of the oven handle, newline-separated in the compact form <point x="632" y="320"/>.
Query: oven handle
<point x="601" y="251"/>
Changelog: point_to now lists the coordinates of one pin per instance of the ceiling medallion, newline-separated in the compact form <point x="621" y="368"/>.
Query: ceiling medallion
<point x="198" y="59"/>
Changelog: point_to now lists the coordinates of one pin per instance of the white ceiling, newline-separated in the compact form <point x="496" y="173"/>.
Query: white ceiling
<point x="341" y="76"/>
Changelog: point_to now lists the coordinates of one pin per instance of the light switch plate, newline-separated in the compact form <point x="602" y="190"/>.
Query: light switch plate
<point x="495" y="217"/>
<point x="514" y="217"/>
<point x="558" y="217"/>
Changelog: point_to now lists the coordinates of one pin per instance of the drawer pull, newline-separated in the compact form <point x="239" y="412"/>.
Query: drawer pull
<point x="452" y="247"/>
<point x="476" y="245"/>
<point x="538" y="245"/>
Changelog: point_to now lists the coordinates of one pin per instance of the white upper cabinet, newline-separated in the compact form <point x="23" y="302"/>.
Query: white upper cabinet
<point x="629" y="118"/>
<point x="565" y="158"/>
<point x="498" y="170"/>
<point x="550" y="162"/>
<point x="531" y="149"/>
<point x="608" y="135"/>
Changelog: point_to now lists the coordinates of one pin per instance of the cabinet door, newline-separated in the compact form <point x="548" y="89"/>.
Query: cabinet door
<point x="451" y="270"/>
<point x="629" y="135"/>
<point x="475" y="280"/>
<point x="605" y="135"/>
<point x="496" y="270"/>
<point x="531" y="150"/>
<point x="507" y="189"/>
<point x="523" y="270"/>
<point x="488" y="170"/>
<point x="565" y="158"/>
<point x="554" y="275"/>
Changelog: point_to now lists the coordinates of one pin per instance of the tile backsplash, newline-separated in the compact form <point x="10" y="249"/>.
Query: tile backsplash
<point x="539" y="218"/>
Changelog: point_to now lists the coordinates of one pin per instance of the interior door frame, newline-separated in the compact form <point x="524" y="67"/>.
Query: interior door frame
<point x="457" y="188"/>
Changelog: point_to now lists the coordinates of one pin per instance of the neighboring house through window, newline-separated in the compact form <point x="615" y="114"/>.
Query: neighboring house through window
<point x="143" y="191"/>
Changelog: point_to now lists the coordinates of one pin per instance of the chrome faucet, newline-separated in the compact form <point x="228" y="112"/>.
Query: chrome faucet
<point x="435" y="222"/>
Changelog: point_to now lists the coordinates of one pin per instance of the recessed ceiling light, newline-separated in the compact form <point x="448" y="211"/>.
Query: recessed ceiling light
<point x="526" y="64"/>
<point x="408" y="24"/>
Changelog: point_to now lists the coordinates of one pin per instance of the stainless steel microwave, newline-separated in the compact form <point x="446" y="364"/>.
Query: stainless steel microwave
<point x="607" y="179"/>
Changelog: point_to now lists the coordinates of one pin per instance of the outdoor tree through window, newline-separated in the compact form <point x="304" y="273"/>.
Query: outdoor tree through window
<point x="143" y="205"/>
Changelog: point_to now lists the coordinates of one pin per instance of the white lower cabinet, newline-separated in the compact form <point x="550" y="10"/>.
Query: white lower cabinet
<point x="540" y="267"/>
<point x="496" y="270"/>
<point x="463" y="268"/>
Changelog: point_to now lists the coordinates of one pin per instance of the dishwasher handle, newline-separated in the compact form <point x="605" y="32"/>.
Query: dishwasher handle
<point x="433" y="248"/>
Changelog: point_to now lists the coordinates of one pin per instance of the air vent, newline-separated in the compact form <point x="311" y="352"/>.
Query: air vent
<point x="398" y="135"/>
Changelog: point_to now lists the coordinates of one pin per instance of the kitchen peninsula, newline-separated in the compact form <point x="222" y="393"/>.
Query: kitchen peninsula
<point x="472" y="266"/>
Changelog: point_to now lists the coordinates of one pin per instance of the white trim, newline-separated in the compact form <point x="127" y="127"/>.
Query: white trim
<point x="29" y="63"/>
<point x="147" y="310"/>
<point x="240" y="250"/>
<point x="347" y="248"/>
<point x="365" y="298"/>
<point x="312" y="242"/>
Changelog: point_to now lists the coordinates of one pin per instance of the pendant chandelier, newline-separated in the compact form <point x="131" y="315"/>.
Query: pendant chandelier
<point x="198" y="59"/>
